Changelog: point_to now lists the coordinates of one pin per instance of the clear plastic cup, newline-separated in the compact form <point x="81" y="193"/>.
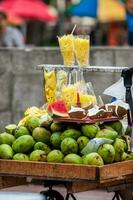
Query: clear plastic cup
<point x="66" y="44"/>
<point x="82" y="50"/>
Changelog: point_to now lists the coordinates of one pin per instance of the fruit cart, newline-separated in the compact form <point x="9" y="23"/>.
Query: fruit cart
<point x="117" y="177"/>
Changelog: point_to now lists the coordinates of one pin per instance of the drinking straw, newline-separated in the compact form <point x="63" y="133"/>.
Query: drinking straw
<point x="73" y="29"/>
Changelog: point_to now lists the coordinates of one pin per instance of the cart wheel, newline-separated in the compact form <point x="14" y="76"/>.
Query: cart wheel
<point x="52" y="195"/>
<point x="70" y="195"/>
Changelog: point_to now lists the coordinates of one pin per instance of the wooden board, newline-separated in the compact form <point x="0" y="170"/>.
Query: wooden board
<point x="117" y="171"/>
<point x="75" y="187"/>
<point x="86" y="120"/>
<point x="6" y="182"/>
<point x="78" y="186"/>
<point x="41" y="170"/>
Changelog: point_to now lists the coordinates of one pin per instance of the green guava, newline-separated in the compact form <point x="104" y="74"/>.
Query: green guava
<point x="55" y="156"/>
<point x="117" y="126"/>
<point x="32" y="123"/>
<point x="38" y="155"/>
<point x="73" y="158"/>
<point x="41" y="134"/>
<point x="6" y="151"/>
<point x="89" y="130"/>
<point x="56" y="126"/>
<point x="82" y="142"/>
<point x="10" y="128"/>
<point x="106" y="133"/>
<point x="125" y="156"/>
<point x="21" y="130"/>
<point x="72" y="133"/>
<point x="6" y="138"/>
<point x="93" y="159"/>
<point x="42" y="146"/>
<point x="20" y="156"/>
<point x="23" y="144"/>
<point x="69" y="145"/>
<point x="119" y="146"/>
<point x="107" y="152"/>
<point x="55" y="140"/>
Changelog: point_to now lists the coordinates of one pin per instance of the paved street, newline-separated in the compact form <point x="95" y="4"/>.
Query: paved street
<point x="89" y="195"/>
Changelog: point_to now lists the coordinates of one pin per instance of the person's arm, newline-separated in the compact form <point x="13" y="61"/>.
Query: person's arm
<point x="18" y="39"/>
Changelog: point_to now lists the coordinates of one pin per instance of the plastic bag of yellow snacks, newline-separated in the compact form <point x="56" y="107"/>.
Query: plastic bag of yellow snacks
<point x="50" y="85"/>
<point x="61" y="77"/>
<point x="87" y="95"/>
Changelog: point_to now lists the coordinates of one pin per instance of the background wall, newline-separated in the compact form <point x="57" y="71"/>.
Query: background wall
<point x="21" y="85"/>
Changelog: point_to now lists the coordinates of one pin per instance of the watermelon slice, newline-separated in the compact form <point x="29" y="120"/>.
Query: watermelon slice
<point x="58" y="108"/>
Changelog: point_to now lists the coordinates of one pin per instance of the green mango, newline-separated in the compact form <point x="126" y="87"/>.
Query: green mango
<point x="73" y="158"/>
<point x="107" y="152"/>
<point x="55" y="140"/>
<point x="20" y="156"/>
<point x="23" y="144"/>
<point x="55" y="156"/>
<point x="21" y="130"/>
<point x="71" y="133"/>
<point x="125" y="156"/>
<point x="69" y="145"/>
<point x="117" y="126"/>
<point x="89" y="130"/>
<point x="41" y="134"/>
<point x="106" y="133"/>
<point x="6" y="138"/>
<point x="82" y="142"/>
<point x="10" y="128"/>
<point x="119" y="146"/>
<point x="93" y="159"/>
<point x="42" y="146"/>
<point x="38" y="155"/>
<point x="32" y="123"/>
<point x="56" y="126"/>
<point x="6" y="151"/>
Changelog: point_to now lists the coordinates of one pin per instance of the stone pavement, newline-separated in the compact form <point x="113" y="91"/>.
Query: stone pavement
<point x="89" y="195"/>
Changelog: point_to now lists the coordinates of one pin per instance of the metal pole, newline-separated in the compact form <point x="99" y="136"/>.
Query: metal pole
<point x="127" y="75"/>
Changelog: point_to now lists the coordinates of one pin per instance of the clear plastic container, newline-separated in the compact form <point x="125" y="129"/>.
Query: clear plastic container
<point x="66" y="45"/>
<point x="67" y="84"/>
<point x="82" y="50"/>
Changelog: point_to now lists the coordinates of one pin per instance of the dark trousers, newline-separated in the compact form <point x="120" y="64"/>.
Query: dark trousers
<point x="130" y="38"/>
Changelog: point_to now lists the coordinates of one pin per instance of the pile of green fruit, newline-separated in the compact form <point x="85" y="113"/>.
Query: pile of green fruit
<point x="62" y="142"/>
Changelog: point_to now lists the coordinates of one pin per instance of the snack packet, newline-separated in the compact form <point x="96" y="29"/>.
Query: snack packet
<point x="50" y="85"/>
<point x="87" y="95"/>
<point x="61" y="77"/>
<point x="69" y="92"/>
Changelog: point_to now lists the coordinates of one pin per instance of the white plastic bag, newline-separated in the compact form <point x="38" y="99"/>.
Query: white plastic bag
<point x="116" y="90"/>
